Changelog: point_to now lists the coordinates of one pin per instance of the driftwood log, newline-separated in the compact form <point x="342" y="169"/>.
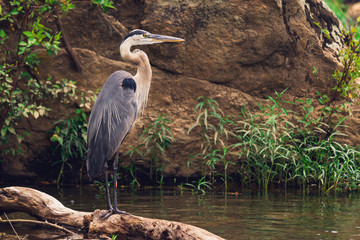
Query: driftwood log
<point x="46" y="208"/>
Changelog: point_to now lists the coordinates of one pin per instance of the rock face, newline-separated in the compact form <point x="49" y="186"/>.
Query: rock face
<point x="235" y="52"/>
<point x="253" y="46"/>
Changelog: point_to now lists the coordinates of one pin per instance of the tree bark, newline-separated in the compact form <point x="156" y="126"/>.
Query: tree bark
<point x="46" y="208"/>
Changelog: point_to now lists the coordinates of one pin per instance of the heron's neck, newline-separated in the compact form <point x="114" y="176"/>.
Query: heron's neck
<point x="143" y="74"/>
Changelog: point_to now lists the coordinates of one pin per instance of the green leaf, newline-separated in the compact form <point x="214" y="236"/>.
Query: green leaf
<point x="315" y="71"/>
<point x="32" y="41"/>
<point x="7" y="121"/>
<point x="22" y="50"/>
<point x="36" y="114"/>
<point x="57" y="36"/>
<point x="28" y="34"/>
<point x="4" y="131"/>
<point x="310" y="109"/>
<point x="12" y="130"/>
<point x="56" y="138"/>
<point x="42" y="111"/>
<point x="14" y="12"/>
<point x="83" y="116"/>
<point x="20" y="138"/>
<point x="309" y="101"/>
<point x="353" y="30"/>
<point x="2" y="33"/>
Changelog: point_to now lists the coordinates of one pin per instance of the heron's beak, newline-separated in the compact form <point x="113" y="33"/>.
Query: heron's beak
<point x="163" y="38"/>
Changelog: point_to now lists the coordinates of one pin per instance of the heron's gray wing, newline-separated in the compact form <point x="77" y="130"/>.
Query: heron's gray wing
<point x="110" y="121"/>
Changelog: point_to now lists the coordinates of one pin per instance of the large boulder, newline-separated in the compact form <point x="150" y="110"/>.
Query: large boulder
<point x="235" y="52"/>
<point x="256" y="46"/>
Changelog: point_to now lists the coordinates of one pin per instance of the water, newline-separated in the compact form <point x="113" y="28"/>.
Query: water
<point x="246" y="216"/>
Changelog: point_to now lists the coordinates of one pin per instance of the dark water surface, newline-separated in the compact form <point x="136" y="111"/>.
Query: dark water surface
<point x="247" y="216"/>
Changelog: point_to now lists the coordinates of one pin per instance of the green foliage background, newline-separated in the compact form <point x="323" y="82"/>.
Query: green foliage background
<point x="26" y="30"/>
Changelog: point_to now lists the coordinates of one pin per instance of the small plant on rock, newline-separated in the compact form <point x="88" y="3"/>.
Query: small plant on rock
<point x="214" y="127"/>
<point x="155" y="141"/>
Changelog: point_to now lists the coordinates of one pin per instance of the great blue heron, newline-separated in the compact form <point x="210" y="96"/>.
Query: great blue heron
<point x="116" y="108"/>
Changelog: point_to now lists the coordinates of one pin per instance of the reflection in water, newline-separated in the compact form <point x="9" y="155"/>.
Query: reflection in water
<point x="246" y="216"/>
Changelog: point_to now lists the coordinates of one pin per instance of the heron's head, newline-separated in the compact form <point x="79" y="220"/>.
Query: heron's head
<point x="141" y="37"/>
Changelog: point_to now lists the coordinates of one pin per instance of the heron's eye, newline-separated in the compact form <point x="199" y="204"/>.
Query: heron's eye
<point x="145" y="35"/>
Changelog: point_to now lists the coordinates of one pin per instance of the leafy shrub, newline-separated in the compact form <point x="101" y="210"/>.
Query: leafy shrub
<point x="70" y="136"/>
<point x="280" y="145"/>
<point x="155" y="140"/>
<point x="24" y="29"/>
<point x="21" y="92"/>
<point x="215" y="129"/>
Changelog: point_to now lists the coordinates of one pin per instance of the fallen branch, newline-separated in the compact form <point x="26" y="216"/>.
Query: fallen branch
<point x="46" y="208"/>
<point x="41" y="223"/>
<point x="8" y="220"/>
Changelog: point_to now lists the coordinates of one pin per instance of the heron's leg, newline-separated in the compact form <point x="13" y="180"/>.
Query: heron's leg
<point x="107" y="188"/>
<point x="109" y="207"/>
<point x="112" y="210"/>
<point x="115" y="167"/>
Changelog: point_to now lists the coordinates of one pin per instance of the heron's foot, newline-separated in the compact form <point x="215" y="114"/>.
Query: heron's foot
<point x="104" y="216"/>
<point x="117" y="211"/>
<point x="112" y="211"/>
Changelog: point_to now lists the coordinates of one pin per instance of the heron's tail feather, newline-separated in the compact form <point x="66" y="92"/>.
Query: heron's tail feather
<point x="95" y="162"/>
